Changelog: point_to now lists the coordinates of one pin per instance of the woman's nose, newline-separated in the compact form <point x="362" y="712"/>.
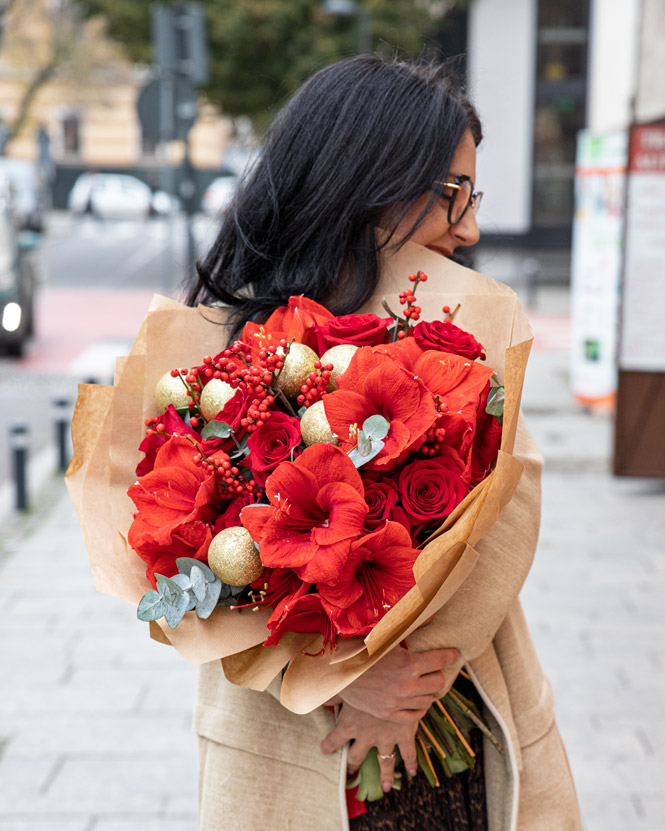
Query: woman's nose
<point x="466" y="231"/>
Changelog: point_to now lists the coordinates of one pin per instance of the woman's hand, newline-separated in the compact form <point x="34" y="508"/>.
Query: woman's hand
<point x="401" y="686"/>
<point x="366" y="731"/>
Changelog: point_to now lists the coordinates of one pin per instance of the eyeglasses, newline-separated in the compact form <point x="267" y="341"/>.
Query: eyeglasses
<point x="460" y="195"/>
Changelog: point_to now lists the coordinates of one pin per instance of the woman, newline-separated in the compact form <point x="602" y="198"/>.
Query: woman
<point x="368" y="156"/>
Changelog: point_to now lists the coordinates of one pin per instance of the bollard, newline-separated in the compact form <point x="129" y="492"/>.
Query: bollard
<point x="61" y="421"/>
<point x="18" y="441"/>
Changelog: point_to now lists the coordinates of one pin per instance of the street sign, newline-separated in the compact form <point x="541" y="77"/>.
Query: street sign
<point x="167" y="109"/>
<point x="179" y="39"/>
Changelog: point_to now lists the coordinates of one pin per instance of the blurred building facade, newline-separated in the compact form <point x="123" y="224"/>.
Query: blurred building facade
<point x="539" y="72"/>
<point x="83" y="115"/>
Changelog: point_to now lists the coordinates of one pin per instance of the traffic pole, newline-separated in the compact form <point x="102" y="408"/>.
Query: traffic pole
<point x="18" y="441"/>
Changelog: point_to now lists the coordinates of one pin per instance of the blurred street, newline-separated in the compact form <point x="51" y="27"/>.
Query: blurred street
<point x="94" y="717"/>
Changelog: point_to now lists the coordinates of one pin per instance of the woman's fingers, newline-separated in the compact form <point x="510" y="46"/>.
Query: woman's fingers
<point x="436" y="659"/>
<point x="337" y="738"/>
<point x="387" y="766"/>
<point x="407" y="749"/>
<point x="357" y="752"/>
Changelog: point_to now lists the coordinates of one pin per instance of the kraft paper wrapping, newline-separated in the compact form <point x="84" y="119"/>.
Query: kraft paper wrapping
<point x="108" y="427"/>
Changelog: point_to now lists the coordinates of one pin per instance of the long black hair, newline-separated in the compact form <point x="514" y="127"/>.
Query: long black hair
<point x="357" y="145"/>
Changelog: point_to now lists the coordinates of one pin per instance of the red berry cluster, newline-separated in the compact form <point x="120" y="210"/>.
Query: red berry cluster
<point x="231" y="482"/>
<point x="154" y="425"/>
<point x="408" y="298"/>
<point x="314" y="387"/>
<point x="192" y="382"/>
<point x="434" y="439"/>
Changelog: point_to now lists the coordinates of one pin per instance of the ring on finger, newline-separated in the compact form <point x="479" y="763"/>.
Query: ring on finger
<point x="385" y="757"/>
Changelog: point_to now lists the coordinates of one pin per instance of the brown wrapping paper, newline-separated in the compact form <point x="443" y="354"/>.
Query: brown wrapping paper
<point x="108" y="427"/>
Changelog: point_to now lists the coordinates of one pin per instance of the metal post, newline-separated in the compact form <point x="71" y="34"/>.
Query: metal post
<point x="18" y="441"/>
<point x="61" y="421"/>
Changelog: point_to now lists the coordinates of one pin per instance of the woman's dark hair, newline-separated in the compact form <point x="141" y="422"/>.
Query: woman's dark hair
<point x="357" y="145"/>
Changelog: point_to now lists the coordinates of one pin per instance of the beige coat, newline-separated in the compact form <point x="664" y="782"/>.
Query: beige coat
<point x="260" y="764"/>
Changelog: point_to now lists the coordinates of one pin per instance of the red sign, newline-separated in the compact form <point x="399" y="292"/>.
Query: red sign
<point x="647" y="149"/>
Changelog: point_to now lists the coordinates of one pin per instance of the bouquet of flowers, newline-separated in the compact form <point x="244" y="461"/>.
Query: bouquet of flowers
<point x="307" y="497"/>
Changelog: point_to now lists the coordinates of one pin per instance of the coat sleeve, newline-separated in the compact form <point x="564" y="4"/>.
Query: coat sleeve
<point x="470" y="619"/>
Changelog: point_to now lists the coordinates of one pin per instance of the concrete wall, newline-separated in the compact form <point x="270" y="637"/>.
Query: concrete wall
<point x="613" y="61"/>
<point x="502" y="45"/>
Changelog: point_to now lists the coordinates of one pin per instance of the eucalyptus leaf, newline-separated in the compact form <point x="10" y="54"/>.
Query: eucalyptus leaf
<point x="176" y="611"/>
<point x="225" y="590"/>
<point x="359" y="460"/>
<point x="204" y="608"/>
<point x="185" y="565"/>
<point x="364" y="444"/>
<point x="165" y="593"/>
<point x="301" y="412"/>
<point x="495" y="401"/>
<point x="376" y="427"/>
<point x="183" y="581"/>
<point x="162" y="580"/>
<point x="151" y="606"/>
<point x="216" y="430"/>
<point x="236" y="590"/>
<point x="198" y="583"/>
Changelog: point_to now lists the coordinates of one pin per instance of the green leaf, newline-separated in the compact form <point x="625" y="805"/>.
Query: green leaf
<point x="151" y="606"/>
<point x="176" y="610"/>
<point x="185" y="565"/>
<point x="358" y="460"/>
<point x="370" y="778"/>
<point x="204" y="608"/>
<point x="216" y="430"/>
<point x="495" y="401"/>
<point x="364" y="444"/>
<point x="376" y="427"/>
<point x="198" y="583"/>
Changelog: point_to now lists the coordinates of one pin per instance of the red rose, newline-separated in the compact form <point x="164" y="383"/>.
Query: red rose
<point x="381" y="497"/>
<point x="431" y="488"/>
<point x="272" y="443"/>
<point x="359" y="330"/>
<point x="231" y="515"/>
<point x="316" y="509"/>
<point x="448" y="338"/>
<point x="486" y="442"/>
<point x="234" y="410"/>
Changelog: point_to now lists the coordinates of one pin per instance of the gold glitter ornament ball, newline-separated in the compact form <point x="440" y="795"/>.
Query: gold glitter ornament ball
<point x="233" y="557"/>
<point x="340" y="357"/>
<point x="170" y="390"/>
<point x="314" y="425"/>
<point x="214" y="397"/>
<point x="297" y="366"/>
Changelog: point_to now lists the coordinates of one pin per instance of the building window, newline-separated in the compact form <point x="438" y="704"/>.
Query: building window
<point x="560" y="107"/>
<point x="71" y="134"/>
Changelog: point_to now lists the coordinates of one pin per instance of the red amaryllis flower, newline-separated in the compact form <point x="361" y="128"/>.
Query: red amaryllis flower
<point x="373" y="384"/>
<point x="192" y="539"/>
<point x="316" y="509"/>
<point x="405" y="352"/>
<point x="447" y="337"/>
<point x="272" y="443"/>
<point x="457" y="381"/>
<point x="432" y="488"/>
<point x="301" y="613"/>
<point x="173" y="425"/>
<point x="358" y="330"/>
<point x="175" y="492"/>
<point x="377" y="573"/>
<point x="297" y="320"/>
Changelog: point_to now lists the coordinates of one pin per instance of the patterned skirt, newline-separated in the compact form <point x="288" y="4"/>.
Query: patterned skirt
<point x="459" y="804"/>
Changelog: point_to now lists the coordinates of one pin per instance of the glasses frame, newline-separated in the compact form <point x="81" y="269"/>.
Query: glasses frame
<point x="475" y="197"/>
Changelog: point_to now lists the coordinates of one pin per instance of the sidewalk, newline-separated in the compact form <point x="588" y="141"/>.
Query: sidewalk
<point x="94" y="717"/>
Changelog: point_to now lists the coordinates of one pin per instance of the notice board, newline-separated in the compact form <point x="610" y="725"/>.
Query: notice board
<point x="640" y="422"/>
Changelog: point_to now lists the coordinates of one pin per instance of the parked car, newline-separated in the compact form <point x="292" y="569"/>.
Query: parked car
<point x="30" y="196"/>
<point x="110" y="196"/>
<point x="17" y="277"/>
<point x="218" y="194"/>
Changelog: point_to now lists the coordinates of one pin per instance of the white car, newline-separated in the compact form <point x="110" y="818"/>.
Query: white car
<point x="111" y="196"/>
<point x="218" y="194"/>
